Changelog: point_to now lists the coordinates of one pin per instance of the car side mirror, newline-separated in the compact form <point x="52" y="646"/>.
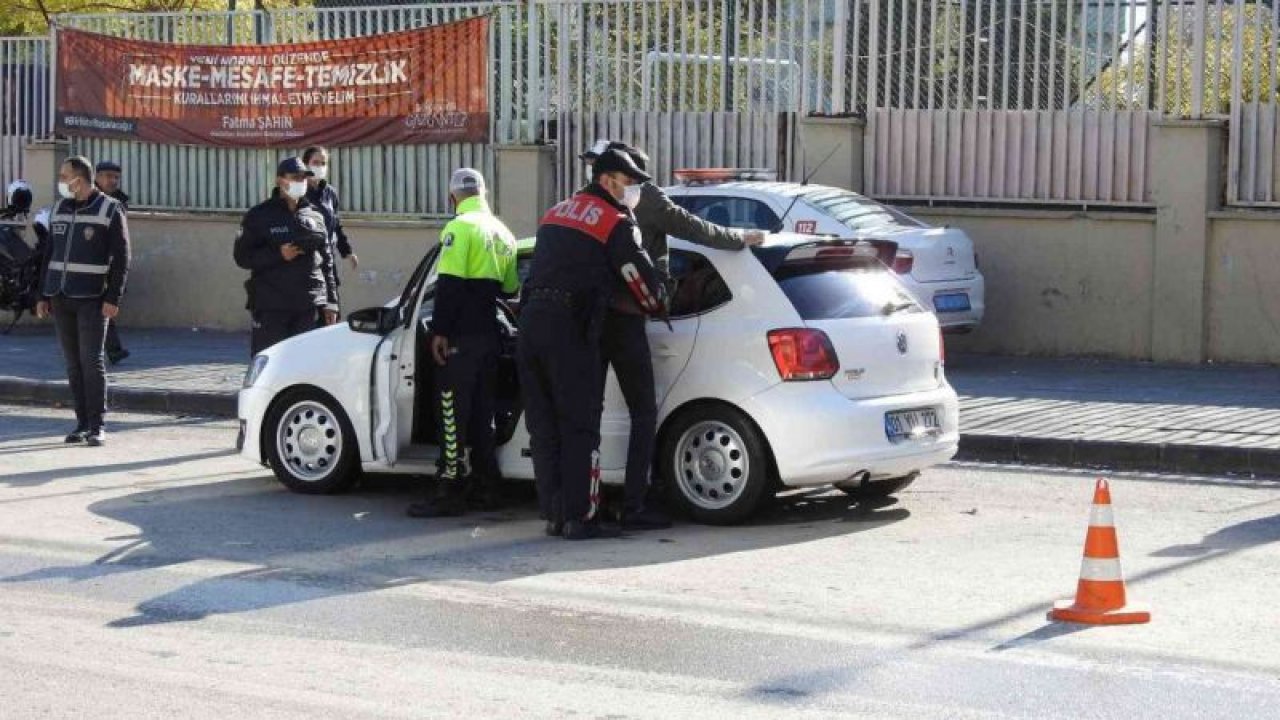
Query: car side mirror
<point x="373" y="321"/>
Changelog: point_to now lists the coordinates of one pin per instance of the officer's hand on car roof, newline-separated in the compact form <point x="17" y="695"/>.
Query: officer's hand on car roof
<point x="753" y="237"/>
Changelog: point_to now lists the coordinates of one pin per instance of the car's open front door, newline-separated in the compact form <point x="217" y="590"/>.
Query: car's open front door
<point x="391" y="386"/>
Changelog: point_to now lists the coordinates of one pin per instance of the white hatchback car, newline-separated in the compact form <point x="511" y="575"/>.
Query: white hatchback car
<point x="938" y="265"/>
<point x="802" y="363"/>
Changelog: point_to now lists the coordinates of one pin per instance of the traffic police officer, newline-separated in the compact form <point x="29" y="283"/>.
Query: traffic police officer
<point x="284" y="244"/>
<point x="477" y="264"/>
<point x="324" y="196"/>
<point x="586" y="246"/>
<point x="84" y="266"/>
<point x="624" y="342"/>
<point x="106" y="177"/>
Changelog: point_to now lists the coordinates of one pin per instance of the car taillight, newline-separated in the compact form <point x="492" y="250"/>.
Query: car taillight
<point x="903" y="262"/>
<point x="942" y="347"/>
<point x="803" y="354"/>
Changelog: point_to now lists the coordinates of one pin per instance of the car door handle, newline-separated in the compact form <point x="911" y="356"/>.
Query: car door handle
<point x="664" y="351"/>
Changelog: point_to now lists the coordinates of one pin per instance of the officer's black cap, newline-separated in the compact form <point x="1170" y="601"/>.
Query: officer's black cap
<point x="618" y="161"/>
<point x="638" y="156"/>
<point x="293" y="166"/>
<point x="108" y="166"/>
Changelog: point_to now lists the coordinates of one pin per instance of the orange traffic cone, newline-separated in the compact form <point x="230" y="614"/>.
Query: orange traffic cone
<point x="1100" y="596"/>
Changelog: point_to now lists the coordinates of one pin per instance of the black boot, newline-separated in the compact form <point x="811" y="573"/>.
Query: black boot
<point x="589" y="530"/>
<point x="484" y="496"/>
<point x="448" y="502"/>
<point x="645" y="519"/>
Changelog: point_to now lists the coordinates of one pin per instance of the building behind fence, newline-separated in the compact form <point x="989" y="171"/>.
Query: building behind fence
<point x="968" y="101"/>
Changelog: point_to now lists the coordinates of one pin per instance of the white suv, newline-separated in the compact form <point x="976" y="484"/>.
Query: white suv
<point x="801" y="363"/>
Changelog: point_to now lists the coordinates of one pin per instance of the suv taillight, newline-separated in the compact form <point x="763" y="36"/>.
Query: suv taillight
<point x="942" y="347"/>
<point x="903" y="262"/>
<point x="803" y="354"/>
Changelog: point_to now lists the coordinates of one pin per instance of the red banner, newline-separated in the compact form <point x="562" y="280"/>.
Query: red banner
<point x="420" y="86"/>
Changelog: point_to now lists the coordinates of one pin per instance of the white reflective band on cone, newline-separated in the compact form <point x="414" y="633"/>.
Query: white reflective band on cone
<point x="1101" y="570"/>
<point x="1100" y="516"/>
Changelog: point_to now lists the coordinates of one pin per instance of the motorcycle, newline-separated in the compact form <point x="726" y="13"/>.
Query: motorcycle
<point x="19" y="272"/>
<point x="19" y="261"/>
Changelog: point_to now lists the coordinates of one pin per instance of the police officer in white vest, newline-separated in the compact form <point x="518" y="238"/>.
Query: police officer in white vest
<point x="84" y="268"/>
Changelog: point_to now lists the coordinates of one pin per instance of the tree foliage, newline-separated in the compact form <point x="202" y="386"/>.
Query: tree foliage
<point x="32" y="17"/>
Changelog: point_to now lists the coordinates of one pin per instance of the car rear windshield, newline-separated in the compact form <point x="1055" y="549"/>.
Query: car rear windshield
<point x="820" y="291"/>
<point x="858" y="213"/>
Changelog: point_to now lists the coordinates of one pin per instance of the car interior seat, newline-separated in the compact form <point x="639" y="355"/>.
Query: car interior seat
<point x="719" y="215"/>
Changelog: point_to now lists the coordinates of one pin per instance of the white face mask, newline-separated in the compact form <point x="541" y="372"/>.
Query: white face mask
<point x="64" y="189"/>
<point x="320" y="171"/>
<point x="296" y="189"/>
<point x="631" y="196"/>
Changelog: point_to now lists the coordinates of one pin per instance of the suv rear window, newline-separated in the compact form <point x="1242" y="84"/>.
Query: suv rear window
<point x="822" y="292"/>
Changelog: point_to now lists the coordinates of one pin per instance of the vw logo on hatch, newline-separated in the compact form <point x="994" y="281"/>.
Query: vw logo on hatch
<point x="902" y="343"/>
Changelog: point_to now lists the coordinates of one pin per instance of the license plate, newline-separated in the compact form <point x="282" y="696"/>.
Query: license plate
<point x="955" y="302"/>
<point x="911" y="424"/>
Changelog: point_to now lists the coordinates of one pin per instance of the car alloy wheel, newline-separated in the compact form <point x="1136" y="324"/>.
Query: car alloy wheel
<point x="712" y="465"/>
<point x="309" y="441"/>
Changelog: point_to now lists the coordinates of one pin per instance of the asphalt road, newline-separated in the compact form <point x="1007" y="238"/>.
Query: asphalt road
<point x="164" y="577"/>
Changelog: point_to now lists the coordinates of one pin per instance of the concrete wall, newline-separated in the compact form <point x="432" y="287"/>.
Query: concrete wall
<point x="1059" y="283"/>
<point x="1243" y="294"/>
<point x="183" y="274"/>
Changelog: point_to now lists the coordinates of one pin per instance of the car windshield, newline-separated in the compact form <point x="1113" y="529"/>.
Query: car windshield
<point x="821" y="292"/>
<point x="858" y="213"/>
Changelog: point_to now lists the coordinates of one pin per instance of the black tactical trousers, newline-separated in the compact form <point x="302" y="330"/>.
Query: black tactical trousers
<point x="559" y="359"/>
<point x="81" y="329"/>
<point x="273" y="326"/>
<point x="465" y="390"/>
<point x="625" y="346"/>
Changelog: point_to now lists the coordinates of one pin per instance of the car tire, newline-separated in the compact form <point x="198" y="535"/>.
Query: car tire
<point x="876" y="490"/>
<point x="309" y="443"/>
<point x="716" y="464"/>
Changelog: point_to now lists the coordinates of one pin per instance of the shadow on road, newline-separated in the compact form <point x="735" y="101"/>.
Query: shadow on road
<point x="298" y="548"/>
<point x="1240" y="536"/>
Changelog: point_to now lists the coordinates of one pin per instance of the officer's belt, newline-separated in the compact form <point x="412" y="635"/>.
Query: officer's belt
<point x="557" y="296"/>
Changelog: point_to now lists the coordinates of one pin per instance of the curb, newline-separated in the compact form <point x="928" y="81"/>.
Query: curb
<point x="144" y="400"/>
<point x="1148" y="457"/>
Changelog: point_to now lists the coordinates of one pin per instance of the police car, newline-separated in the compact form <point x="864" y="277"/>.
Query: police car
<point x="938" y="265"/>
<point x="804" y="362"/>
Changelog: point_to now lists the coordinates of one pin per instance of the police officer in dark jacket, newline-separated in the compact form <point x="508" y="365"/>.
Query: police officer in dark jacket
<point x="84" y="268"/>
<point x="586" y="246"/>
<point x="624" y="342"/>
<point x="106" y="177"/>
<point x="283" y="242"/>
<point x="324" y="196"/>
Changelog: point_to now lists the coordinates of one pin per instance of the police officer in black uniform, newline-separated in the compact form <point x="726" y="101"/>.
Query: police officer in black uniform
<point x="624" y="340"/>
<point x="85" y="265"/>
<point x="106" y="177"/>
<point x="284" y="243"/>
<point x="586" y="246"/>
<point x="324" y="196"/>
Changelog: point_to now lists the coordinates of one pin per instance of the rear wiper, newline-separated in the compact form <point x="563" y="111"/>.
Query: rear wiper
<point x="892" y="308"/>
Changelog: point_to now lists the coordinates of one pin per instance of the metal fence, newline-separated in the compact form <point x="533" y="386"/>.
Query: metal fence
<point x="378" y="180"/>
<point x="1244" y="41"/>
<point x="1046" y="101"/>
<point x="24" y="100"/>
